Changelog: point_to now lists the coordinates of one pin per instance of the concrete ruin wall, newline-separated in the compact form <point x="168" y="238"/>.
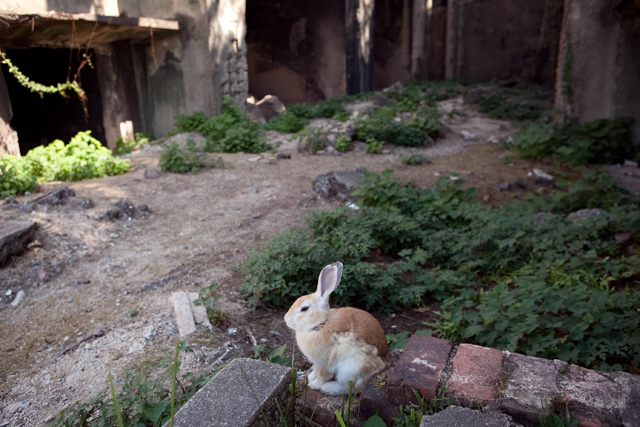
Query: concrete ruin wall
<point x="150" y="83"/>
<point x="502" y="39"/>
<point x="8" y="137"/>
<point x="296" y="51"/>
<point x="599" y="65"/>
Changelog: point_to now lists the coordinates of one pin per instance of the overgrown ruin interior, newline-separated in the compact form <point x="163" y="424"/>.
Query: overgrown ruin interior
<point x="95" y="289"/>
<point x="152" y="62"/>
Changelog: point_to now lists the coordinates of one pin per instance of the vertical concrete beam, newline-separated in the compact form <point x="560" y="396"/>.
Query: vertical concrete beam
<point x="418" y="33"/>
<point x="8" y="137"/>
<point x="359" y="45"/>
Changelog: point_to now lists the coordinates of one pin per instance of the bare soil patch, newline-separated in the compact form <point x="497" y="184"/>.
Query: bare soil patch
<point x="84" y="277"/>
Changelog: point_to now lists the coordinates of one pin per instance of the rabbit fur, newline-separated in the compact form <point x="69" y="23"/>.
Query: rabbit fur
<point x="344" y="344"/>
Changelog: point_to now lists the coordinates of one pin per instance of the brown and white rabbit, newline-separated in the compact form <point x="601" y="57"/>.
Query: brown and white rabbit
<point x="344" y="344"/>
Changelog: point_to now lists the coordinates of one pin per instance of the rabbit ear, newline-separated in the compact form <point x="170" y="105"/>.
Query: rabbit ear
<point x="328" y="282"/>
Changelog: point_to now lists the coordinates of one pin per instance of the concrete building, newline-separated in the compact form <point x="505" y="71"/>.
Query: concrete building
<point x="149" y="60"/>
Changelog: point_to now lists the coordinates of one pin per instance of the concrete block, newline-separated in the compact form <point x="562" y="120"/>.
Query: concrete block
<point x="181" y="309"/>
<point x="456" y="416"/>
<point x="14" y="237"/>
<point x="419" y="367"/>
<point x="199" y="311"/>
<point x="238" y="396"/>
<point x="476" y="375"/>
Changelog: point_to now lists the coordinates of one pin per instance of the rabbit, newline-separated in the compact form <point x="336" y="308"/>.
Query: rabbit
<point x="344" y="344"/>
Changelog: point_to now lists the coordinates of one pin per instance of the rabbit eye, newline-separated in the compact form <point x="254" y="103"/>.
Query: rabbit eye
<point x="305" y="308"/>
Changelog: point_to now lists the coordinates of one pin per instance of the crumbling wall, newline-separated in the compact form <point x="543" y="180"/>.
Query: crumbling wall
<point x="296" y="51"/>
<point x="392" y="43"/>
<point x="8" y="137"/>
<point x="502" y="39"/>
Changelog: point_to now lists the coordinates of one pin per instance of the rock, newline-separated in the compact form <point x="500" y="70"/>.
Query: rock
<point x="542" y="177"/>
<point x="57" y="197"/>
<point x="492" y="139"/>
<point x="270" y="106"/>
<point x="254" y="111"/>
<point x="630" y="164"/>
<point x="14" y="237"/>
<point x="475" y="95"/>
<point x="152" y="172"/>
<point x="199" y="312"/>
<point x="379" y="99"/>
<point x="137" y="346"/>
<point x="458" y="416"/>
<point x="584" y="214"/>
<point x="127" y="207"/>
<point x="396" y="87"/>
<point x="18" y="299"/>
<point x="111" y="215"/>
<point x="468" y="136"/>
<point x="338" y="184"/>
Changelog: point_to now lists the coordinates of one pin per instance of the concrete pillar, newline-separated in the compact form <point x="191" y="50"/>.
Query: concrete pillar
<point x="8" y="137"/>
<point x="418" y="33"/>
<point x="359" y="45"/>
<point x="598" y="63"/>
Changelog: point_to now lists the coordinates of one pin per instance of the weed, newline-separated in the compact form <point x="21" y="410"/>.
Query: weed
<point x="506" y="277"/>
<point x="124" y="146"/>
<point x="175" y="159"/>
<point x="83" y="157"/>
<point x="312" y="139"/>
<point x="601" y="141"/>
<point x="287" y="122"/>
<point x="553" y="420"/>
<point x="231" y="131"/>
<point x="500" y="106"/>
<point x="411" y="415"/>
<point x="374" y="146"/>
<point x="144" y="398"/>
<point x="343" y="143"/>
<point x="414" y="159"/>
<point x="207" y="297"/>
<point x="134" y="312"/>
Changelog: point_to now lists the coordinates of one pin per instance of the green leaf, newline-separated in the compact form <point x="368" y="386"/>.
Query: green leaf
<point x="374" y="421"/>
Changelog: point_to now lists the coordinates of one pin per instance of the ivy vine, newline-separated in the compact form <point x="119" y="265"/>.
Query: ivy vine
<point x="40" y="88"/>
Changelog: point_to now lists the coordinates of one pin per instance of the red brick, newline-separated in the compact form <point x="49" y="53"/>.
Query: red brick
<point x="476" y="375"/>
<point x="594" y="397"/>
<point x="319" y="408"/>
<point x="419" y="367"/>
<point x="530" y="381"/>
<point x="373" y="400"/>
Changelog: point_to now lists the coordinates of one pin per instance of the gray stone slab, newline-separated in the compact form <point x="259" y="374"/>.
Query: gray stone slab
<point x="14" y="237"/>
<point x="457" y="416"/>
<point x="231" y="397"/>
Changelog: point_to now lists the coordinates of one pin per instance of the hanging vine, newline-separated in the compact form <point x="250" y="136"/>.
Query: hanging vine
<point x="40" y="88"/>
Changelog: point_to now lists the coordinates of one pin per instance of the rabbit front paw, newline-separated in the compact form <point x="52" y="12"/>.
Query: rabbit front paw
<point x="334" y="388"/>
<point x="316" y="384"/>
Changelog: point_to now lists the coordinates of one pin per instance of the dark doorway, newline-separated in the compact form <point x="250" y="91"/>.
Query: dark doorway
<point x="41" y="120"/>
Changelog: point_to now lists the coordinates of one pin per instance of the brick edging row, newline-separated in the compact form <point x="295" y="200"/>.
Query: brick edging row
<point x="513" y="383"/>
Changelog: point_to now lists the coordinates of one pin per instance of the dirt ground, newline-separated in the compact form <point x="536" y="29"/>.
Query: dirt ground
<point x="84" y="276"/>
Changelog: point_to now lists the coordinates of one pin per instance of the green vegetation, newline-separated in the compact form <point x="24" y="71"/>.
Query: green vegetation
<point x="414" y="159"/>
<point x="296" y="116"/>
<point x="125" y="146"/>
<point x="411" y="414"/>
<point x="144" y="399"/>
<point x="599" y="141"/>
<point x="231" y="131"/>
<point x="83" y="157"/>
<point x="507" y="277"/>
<point x="207" y="297"/>
<point x="343" y="143"/>
<point x="174" y="158"/>
<point x="517" y="103"/>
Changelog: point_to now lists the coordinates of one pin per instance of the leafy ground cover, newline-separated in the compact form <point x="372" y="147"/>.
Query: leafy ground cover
<point x="513" y="277"/>
<point x="83" y="157"/>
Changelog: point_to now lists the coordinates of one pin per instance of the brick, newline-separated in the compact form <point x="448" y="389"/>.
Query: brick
<point x="476" y="375"/>
<point x="319" y="408"/>
<point x="629" y="386"/>
<point x="419" y="367"/>
<point x="594" y="397"/>
<point x="373" y="400"/>
<point x="530" y="380"/>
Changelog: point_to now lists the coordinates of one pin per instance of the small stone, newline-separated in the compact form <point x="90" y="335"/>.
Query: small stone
<point x="18" y="299"/>
<point x="152" y="172"/>
<point x="630" y="164"/>
<point x="468" y="136"/>
<point x="8" y="293"/>
<point x="492" y="139"/>
<point x="70" y="300"/>
<point x="232" y="331"/>
<point x="542" y="175"/>
<point x="126" y="206"/>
